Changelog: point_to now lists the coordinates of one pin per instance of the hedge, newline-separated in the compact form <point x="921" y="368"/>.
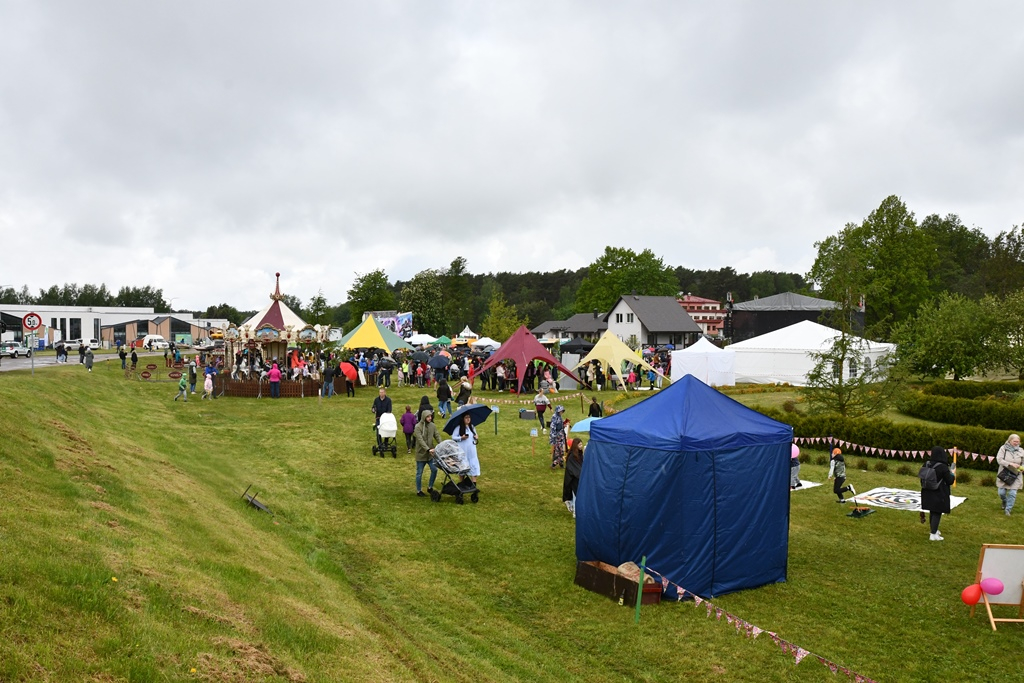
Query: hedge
<point x="880" y="433"/>
<point x="972" y="389"/>
<point x="988" y="413"/>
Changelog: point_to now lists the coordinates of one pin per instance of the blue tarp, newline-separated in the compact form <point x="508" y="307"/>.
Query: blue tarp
<point x="693" y="480"/>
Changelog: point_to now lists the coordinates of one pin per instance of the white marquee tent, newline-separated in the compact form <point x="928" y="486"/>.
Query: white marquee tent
<point x="714" y="366"/>
<point x="784" y="356"/>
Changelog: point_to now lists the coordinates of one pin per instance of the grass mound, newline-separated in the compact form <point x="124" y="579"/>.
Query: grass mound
<point x="129" y="555"/>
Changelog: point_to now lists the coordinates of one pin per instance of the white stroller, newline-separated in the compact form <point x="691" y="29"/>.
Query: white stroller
<point x="386" y="429"/>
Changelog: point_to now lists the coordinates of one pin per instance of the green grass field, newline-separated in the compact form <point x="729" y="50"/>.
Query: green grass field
<point x="127" y="554"/>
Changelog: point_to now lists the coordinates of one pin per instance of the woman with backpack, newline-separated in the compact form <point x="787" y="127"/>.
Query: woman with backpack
<point x="935" y="490"/>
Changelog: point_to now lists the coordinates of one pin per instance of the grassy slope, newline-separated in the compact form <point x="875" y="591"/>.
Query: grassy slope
<point x="357" y="579"/>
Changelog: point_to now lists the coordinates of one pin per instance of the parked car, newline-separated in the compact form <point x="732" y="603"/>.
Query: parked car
<point x="15" y="349"/>
<point x="152" y="342"/>
<point x="75" y="343"/>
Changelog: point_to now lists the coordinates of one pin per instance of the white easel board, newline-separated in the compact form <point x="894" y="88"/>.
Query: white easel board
<point x="1006" y="563"/>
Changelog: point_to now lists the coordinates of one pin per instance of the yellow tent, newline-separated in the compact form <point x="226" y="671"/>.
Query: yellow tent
<point x="612" y="351"/>
<point x="370" y="334"/>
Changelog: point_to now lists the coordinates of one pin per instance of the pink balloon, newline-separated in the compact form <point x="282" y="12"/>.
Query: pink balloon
<point x="992" y="586"/>
<point x="971" y="595"/>
<point x="794" y="451"/>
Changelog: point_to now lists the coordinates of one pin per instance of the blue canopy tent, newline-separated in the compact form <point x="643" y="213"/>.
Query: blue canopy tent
<point x="693" y="480"/>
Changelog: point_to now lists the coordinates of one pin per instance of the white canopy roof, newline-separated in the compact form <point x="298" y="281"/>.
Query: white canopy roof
<point x="468" y="333"/>
<point x="706" y="362"/>
<point x="485" y="342"/>
<point x="783" y="356"/>
<point x="421" y="339"/>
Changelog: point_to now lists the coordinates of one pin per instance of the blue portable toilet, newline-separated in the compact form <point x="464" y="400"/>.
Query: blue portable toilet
<point x="693" y="480"/>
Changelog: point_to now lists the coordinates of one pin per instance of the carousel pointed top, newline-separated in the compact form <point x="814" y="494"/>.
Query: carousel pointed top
<point x="276" y="296"/>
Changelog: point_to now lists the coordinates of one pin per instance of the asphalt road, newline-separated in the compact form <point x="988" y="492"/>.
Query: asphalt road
<point x="8" y="364"/>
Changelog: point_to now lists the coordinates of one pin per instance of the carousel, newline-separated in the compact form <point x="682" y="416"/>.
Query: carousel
<point x="274" y="335"/>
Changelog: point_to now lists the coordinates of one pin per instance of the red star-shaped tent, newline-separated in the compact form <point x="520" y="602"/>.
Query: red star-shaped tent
<point x="523" y="347"/>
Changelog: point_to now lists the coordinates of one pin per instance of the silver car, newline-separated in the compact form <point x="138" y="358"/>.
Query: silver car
<point x="15" y="349"/>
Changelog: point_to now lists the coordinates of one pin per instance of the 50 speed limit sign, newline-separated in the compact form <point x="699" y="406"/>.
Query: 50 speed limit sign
<point x="32" y="322"/>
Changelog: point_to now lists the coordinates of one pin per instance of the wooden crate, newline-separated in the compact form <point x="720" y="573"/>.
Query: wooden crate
<point x="604" y="579"/>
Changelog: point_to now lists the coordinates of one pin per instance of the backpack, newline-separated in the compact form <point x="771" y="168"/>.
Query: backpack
<point x="929" y="478"/>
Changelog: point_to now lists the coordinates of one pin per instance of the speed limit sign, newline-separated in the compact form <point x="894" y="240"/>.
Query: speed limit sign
<point x="32" y="322"/>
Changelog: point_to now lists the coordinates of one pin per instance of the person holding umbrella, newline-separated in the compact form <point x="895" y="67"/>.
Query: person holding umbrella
<point x="462" y="426"/>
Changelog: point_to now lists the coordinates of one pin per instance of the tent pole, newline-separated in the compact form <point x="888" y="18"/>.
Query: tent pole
<point x="640" y="588"/>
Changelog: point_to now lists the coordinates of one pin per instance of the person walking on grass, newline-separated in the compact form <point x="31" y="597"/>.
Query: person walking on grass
<point x="837" y="468"/>
<point x="408" y="421"/>
<point x="936" y="500"/>
<point x="540" y="404"/>
<point x="444" y="397"/>
<point x="557" y="438"/>
<point x="182" y="389"/>
<point x="1011" y="460"/>
<point x="207" y="388"/>
<point x="88" y="358"/>
<point x="426" y="437"/>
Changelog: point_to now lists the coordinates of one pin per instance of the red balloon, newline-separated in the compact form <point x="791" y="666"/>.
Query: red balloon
<point x="971" y="595"/>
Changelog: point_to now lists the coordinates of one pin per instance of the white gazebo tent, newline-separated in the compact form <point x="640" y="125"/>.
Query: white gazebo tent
<point x="784" y="356"/>
<point x="421" y="339"/>
<point x="714" y="366"/>
<point x="485" y="343"/>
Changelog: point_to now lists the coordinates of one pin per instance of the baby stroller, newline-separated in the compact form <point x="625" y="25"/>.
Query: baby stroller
<point x="386" y="430"/>
<point x="451" y="460"/>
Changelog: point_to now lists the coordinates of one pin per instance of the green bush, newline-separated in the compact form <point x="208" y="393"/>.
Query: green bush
<point x="963" y="476"/>
<point x="988" y="412"/>
<point x="971" y="389"/>
<point x="806" y="457"/>
<point x="880" y="466"/>
<point x="905" y="469"/>
<point x="881" y="433"/>
<point x="861" y="464"/>
<point x="821" y="460"/>
<point x="986" y="480"/>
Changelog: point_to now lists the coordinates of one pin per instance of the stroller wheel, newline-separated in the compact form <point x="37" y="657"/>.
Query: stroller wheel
<point x="394" y="452"/>
<point x="375" y="450"/>
<point x="435" y="496"/>
<point x="475" y="497"/>
<point x="459" y="499"/>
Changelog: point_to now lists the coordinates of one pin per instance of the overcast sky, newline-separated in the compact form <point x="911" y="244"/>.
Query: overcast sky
<point x="199" y="147"/>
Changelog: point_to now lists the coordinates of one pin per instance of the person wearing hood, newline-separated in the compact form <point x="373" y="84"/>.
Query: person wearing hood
<point x="1011" y="460"/>
<point x="191" y="376"/>
<point x="426" y="437"/>
<point x="936" y="501"/>
<point x="573" y="469"/>
<point x="556" y="438"/>
<point x="88" y="358"/>
<point x="274" y="377"/>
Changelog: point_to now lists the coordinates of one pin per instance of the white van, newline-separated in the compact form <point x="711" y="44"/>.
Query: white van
<point x="75" y="343"/>
<point x="154" y="342"/>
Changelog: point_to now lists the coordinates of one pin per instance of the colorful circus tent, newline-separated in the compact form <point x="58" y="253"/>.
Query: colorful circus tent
<point x="371" y="334"/>
<point x="693" y="480"/>
<point x="613" y="352"/>
<point x="522" y="347"/>
<point x="276" y="313"/>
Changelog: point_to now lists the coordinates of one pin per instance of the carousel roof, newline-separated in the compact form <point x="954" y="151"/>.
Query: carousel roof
<point x="276" y="313"/>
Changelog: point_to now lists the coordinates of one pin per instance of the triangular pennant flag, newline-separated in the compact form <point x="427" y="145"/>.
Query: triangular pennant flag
<point x="728" y="618"/>
<point x="756" y="631"/>
<point x="833" y="667"/>
<point x="800" y="654"/>
<point x="709" y="606"/>
<point x="697" y="600"/>
<point x="718" y="613"/>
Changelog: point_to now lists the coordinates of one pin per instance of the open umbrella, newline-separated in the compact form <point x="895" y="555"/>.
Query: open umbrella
<point x="444" y="352"/>
<point x="583" y="425"/>
<point x="387" y="362"/>
<point x="439" y="362"/>
<point x="419" y="356"/>
<point x="478" y="412"/>
<point x="348" y="370"/>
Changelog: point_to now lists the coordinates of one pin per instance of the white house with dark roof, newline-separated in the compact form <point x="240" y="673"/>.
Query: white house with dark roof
<point x="652" y="321"/>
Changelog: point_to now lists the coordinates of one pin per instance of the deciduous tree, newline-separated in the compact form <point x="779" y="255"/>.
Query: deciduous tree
<point x="370" y="292"/>
<point x="502" y="318"/>
<point x="620" y="271"/>
<point x="423" y="295"/>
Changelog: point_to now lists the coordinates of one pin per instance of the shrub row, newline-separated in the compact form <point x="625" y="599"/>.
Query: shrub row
<point x="881" y="433"/>
<point x="988" y="413"/>
<point x="971" y="389"/>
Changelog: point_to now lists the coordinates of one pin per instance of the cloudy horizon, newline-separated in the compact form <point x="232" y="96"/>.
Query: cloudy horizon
<point x="201" y="148"/>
